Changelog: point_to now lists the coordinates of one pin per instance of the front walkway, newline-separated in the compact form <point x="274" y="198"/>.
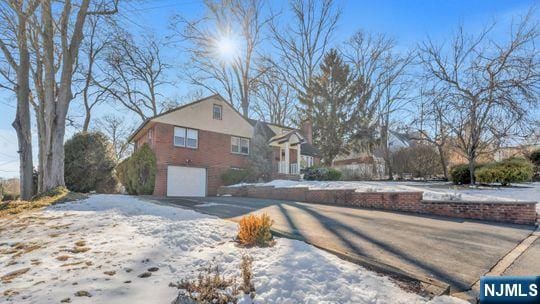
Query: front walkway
<point x="454" y="251"/>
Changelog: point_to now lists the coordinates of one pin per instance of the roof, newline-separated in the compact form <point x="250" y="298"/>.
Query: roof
<point x="309" y="150"/>
<point x="306" y="148"/>
<point x="144" y="123"/>
<point x="286" y="136"/>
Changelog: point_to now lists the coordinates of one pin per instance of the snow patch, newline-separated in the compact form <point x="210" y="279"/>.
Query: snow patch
<point x="127" y="236"/>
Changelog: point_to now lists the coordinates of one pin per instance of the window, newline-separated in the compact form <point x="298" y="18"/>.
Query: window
<point x="239" y="145"/>
<point x="217" y="110"/>
<point x="179" y="137"/>
<point x="192" y="138"/>
<point x="306" y="161"/>
<point x="186" y="137"/>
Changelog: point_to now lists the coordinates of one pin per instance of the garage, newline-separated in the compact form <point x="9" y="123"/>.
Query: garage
<point x="186" y="181"/>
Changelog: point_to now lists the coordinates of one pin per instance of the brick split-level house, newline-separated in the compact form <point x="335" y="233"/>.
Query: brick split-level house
<point x="197" y="142"/>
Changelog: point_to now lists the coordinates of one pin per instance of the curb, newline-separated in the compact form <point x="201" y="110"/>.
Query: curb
<point x="431" y="286"/>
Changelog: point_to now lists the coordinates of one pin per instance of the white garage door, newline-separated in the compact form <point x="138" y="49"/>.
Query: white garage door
<point x="186" y="181"/>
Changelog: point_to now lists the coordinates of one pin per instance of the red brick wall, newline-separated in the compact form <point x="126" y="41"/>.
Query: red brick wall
<point x="508" y="212"/>
<point x="517" y="213"/>
<point x="213" y="153"/>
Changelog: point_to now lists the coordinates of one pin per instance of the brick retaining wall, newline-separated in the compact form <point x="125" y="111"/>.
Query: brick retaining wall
<point x="507" y="212"/>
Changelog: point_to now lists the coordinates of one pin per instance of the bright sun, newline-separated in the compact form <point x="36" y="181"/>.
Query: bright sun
<point x="227" y="48"/>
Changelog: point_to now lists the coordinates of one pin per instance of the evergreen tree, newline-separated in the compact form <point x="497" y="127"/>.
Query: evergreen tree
<point x="331" y="99"/>
<point x="260" y="156"/>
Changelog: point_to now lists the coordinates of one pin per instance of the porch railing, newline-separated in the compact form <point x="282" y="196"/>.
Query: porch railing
<point x="294" y="169"/>
<point x="282" y="168"/>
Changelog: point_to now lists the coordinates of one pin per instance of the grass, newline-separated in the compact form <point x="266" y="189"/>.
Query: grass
<point x="12" y="275"/>
<point x="55" y="196"/>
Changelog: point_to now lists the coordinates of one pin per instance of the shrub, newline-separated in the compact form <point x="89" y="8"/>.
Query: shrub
<point x="89" y="163"/>
<point x="420" y="160"/>
<point x="254" y="230"/>
<point x="141" y="171"/>
<point x="535" y="157"/>
<point x="9" y="196"/>
<point x="513" y="170"/>
<point x="321" y="174"/>
<point x="460" y="174"/>
<point x="121" y="172"/>
<point x="235" y="176"/>
<point x="211" y="286"/>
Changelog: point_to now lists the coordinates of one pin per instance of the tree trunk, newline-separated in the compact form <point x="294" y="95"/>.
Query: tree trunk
<point x="57" y="96"/>
<point x="471" y="170"/>
<point x="22" y="120"/>
<point x="24" y="138"/>
<point x="86" y="123"/>
<point x="443" y="161"/>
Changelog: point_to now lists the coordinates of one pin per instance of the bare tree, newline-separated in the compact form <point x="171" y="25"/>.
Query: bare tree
<point x="492" y="85"/>
<point x="380" y="77"/>
<point x="118" y="131"/>
<point x="430" y="125"/>
<point x="93" y="89"/>
<point x="57" y="36"/>
<point x="135" y="73"/>
<point x="223" y="46"/>
<point x="303" y="42"/>
<point x="275" y="102"/>
<point x="14" y="46"/>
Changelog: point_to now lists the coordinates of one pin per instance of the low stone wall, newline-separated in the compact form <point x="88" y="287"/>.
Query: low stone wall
<point x="507" y="212"/>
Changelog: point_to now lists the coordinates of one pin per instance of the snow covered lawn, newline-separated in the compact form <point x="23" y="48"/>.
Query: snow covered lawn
<point x="100" y="246"/>
<point x="524" y="192"/>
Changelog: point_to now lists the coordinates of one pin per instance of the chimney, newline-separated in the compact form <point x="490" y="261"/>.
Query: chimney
<point x="307" y="129"/>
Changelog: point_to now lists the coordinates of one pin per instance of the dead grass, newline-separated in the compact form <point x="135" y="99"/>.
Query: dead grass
<point x="26" y="248"/>
<point x="80" y="243"/>
<point x="10" y="293"/>
<point x="12" y="275"/>
<point x="19" y="249"/>
<point x="59" y="195"/>
<point x="78" y="249"/>
<point x="71" y="264"/>
<point x="63" y="258"/>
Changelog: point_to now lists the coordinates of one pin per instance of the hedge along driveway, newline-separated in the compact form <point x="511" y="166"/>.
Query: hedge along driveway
<point x="454" y="251"/>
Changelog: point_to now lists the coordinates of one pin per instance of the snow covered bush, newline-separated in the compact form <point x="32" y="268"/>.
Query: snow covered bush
<point x="513" y="170"/>
<point x="89" y="163"/>
<point x="254" y="230"/>
<point x="321" y="174"/>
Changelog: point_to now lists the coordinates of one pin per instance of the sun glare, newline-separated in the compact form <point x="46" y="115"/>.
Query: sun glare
<point x="226" y="48"/>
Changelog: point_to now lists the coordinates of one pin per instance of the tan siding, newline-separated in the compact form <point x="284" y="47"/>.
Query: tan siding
<point x="199" y="116"/>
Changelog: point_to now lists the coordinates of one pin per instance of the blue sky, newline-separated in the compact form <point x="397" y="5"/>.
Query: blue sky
<point x="408" y="21"/>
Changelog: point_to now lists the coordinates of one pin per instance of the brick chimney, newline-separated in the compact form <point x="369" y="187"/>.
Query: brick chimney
<point x="307" y="129"/>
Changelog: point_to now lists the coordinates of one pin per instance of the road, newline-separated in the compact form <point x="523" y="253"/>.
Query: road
<point x="454" y="251"/>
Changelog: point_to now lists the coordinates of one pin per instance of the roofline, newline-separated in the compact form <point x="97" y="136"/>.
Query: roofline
<point x="143" y="124"/>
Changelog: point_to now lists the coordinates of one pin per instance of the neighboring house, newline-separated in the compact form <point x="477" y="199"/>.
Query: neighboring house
<point x="518" y="151"/>
<point x="371" y="165"/>
<point x="196" y="143"/>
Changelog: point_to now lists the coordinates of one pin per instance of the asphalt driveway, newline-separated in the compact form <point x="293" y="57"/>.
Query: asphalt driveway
<point x="454" y="251"/>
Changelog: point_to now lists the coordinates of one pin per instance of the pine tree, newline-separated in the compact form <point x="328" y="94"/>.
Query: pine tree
<point x="260" y="156"/>
<point x="330" y="98"/>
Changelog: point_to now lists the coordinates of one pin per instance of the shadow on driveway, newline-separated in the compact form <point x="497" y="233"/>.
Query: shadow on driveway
<point x="454" y="251"/>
